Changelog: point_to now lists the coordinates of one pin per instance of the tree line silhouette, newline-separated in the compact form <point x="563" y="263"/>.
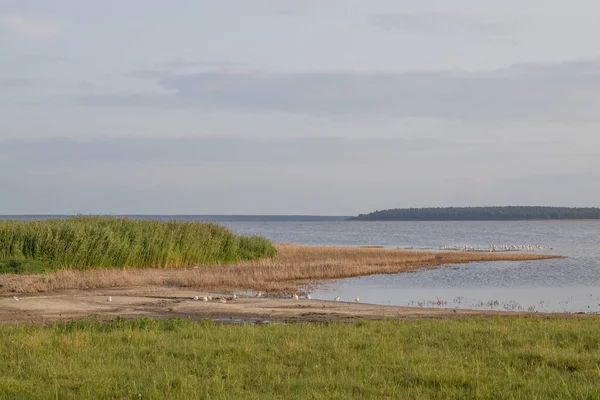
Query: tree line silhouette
<point x="508" y="213"/>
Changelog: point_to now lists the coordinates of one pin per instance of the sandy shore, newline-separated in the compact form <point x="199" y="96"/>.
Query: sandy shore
<point x="164" y="293"/>
<point x="161" y="302"/>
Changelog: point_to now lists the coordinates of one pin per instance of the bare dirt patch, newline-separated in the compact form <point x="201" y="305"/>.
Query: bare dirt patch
<point x="160" y="302"/>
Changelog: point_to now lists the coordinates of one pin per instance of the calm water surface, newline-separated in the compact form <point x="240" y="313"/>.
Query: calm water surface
<point x="571" y="284"/>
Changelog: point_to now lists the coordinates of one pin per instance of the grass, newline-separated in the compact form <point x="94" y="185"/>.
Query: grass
<point x="82" y="243"/>
<point x="514" y="357"/>
<point x="292" y="267"/>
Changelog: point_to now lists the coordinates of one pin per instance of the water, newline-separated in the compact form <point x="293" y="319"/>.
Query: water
<point x="561" y="285"/>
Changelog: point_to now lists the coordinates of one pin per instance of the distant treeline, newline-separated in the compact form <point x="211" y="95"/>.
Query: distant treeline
<point x="510" y="213"/>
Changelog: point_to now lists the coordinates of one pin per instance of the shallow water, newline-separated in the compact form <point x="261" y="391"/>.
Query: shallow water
<point x="561" y="285"/>
<point x="564" y="285"/>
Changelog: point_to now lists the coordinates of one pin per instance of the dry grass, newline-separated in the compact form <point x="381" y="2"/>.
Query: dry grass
<point x="293" y="267"/>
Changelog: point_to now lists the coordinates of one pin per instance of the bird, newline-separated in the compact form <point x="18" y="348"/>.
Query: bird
<point x="195" y="297"/>
<point x="295" y="296"/>
<point x="357" y="300"/>
<point x="308" y="297"/>
<point x="16" y="298"/>
<point x="109" y="299"/>
<point x="210" y="297"/>
<point x="205" y="299"/>
<point x="234" y="297"/>
<point x="337" y="298"/>
<point x="259" y="294"/>
<point x="222" y="300"/>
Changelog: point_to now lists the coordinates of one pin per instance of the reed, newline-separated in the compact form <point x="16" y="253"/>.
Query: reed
<point x="293" y="268"/>
<point x="83" y="243"/>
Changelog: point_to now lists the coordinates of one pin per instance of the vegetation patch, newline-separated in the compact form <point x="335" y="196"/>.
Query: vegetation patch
<point x="509" y="213"/>
<point x="82" y="243"/>
<point x="293" y="267"/>
<point x="510" y="357"/>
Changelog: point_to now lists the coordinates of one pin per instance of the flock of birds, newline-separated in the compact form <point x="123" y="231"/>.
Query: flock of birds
<point x="225" y="299"/>
<point x="222" y="299"/>
<point x="494" y="248"/>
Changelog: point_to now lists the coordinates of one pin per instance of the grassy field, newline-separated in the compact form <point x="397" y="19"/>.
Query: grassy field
<point x="516" y="357"/>
<point x="292" y="268"/>
<point x="100" y="242"/>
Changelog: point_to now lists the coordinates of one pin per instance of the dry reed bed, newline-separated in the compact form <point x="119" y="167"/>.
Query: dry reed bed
<point x="294" y="267"/>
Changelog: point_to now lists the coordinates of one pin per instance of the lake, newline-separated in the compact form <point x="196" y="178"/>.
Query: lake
<point x="562" y="285"/>
<point x="565" y="285"/>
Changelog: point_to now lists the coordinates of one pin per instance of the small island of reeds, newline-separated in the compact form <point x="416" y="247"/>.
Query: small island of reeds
<point x="82" y="243"/>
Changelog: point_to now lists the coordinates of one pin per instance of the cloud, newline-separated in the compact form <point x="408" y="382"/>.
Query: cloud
<point x="309" y="8"/>
<point x="312" y="175"/>
<point x="442" y="24"/>
<point x="218" y="150"/>
<point x="34" y="28"/>
<point x="151" y="74"/>
<point x="564" y="92"/>
<point x="171" y="68"/>
<point x="188" y="63"/>
<point x="7" y="83"/>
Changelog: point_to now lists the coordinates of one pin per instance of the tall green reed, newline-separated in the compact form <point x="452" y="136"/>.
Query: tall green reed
<point x="105" y="242"/>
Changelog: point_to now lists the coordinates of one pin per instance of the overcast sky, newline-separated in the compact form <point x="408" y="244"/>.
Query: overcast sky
<point x="297" y="107"/>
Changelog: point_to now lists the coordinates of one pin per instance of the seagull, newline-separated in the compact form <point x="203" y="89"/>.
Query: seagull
<point x="357" y="300"/>
<point x="195" y="297"/>
<point x="234" y="297"/>
<point x="210" y="297"/>
<point x="337" y="298"/>
<point x="308" y="296"/>
<point x="295" y="296"/>
<point x="109" y="299"/>
<point x="205" y="299"/>
<point x="222" y="300"/>
<point x="259" y="294"/>
<point x="16" y="298"/>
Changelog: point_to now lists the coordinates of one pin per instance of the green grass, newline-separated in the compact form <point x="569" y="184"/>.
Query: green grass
<point x="102" y="242"/>
<point x="517" y="357"/>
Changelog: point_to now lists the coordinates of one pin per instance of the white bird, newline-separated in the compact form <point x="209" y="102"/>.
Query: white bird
<point x="222" y="300"/>
<point x="109" y="299"/>
<point x="234" y="296"/>
<point x="357" y="300"/>
<point x="337" y="298"/>
<point x="308" y="296"/>
<point x="16" y="298"/>
<point x="259" y="294"/>
<point x="205" y="299"/>
<point x="195" y="297"/>
<point x="295" y="296"/>
<point x="210" y="297"/>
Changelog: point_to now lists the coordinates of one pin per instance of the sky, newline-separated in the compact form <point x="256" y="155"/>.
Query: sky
<point x="330" y="107"/>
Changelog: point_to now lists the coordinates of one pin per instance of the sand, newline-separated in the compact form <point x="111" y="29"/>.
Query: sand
<point x="164" y="302"/>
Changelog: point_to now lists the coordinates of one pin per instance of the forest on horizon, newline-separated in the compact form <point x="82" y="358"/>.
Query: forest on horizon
<point x="508" y="213"/>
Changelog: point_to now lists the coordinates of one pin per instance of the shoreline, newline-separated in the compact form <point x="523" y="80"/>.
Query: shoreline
<point x="164" y="303"/>
<point x="294" y="268"/>
<point x="164" y="293"/>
